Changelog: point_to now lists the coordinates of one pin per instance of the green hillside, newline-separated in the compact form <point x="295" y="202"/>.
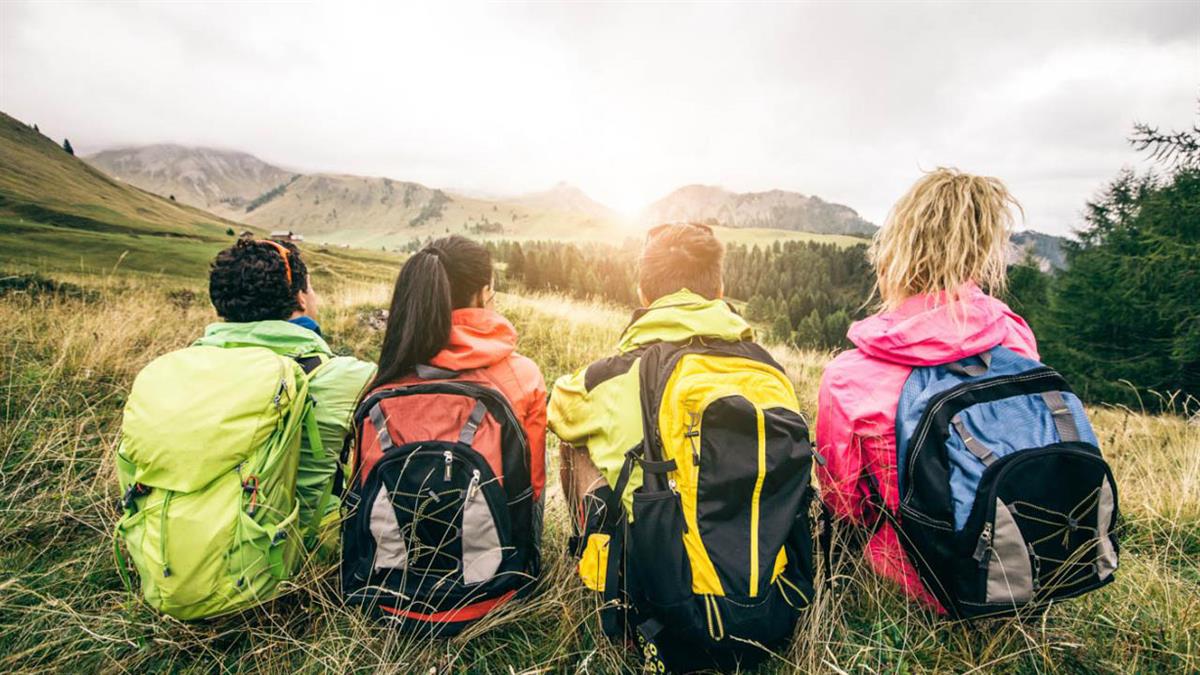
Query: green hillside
<point x="42" y="184"/>
<point x="58" y="214"/>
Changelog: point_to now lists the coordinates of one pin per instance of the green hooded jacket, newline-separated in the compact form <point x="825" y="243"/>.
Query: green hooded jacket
<point x="334" y="386"/>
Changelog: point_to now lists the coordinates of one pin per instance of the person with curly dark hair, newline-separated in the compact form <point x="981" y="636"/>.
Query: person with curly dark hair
<point x="263" y="292"/>
<point x="259" y="280"/>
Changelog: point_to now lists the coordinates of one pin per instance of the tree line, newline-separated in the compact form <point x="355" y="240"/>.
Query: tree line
<point x="804" y="293"/>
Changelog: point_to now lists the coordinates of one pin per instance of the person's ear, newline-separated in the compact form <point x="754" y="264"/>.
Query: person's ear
<point x="307" y="300"/>
<point x="480" y="298"/>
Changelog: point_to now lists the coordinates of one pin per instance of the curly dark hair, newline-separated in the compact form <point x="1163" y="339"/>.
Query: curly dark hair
<point x="248" y="281"/>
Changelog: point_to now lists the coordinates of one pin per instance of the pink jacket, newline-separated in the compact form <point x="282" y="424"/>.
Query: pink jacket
<point x="856" y="418"/>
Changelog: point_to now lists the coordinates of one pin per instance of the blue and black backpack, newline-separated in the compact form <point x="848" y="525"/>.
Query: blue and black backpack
<point x="1005" y="499"/>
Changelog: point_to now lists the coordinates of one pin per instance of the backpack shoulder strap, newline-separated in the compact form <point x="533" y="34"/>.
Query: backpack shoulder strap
<point x="428" y="372"/>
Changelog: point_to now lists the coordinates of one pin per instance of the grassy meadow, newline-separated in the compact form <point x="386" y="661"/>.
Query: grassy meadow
<point x="67" y="359"/>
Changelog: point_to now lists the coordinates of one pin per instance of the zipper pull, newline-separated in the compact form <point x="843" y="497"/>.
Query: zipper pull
<point x="474" y="486"/>
<point x="985" y="542"/>
<point x="1036" y="563"/>
<point x="279" y="394"/>
<point x="449" y="462"/>
<point x="818" y="456"/>
<point x="679" y="498"/>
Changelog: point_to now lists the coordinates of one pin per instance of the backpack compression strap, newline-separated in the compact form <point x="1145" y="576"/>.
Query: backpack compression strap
<point x="965" y="368"/>
<point x="309" y="363"/>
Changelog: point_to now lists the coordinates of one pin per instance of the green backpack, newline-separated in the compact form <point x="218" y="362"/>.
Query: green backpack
<point x="210" y="447"/>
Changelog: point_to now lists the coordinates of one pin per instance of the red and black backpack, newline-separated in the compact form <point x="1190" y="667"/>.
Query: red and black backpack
<point x="442" y="524"/>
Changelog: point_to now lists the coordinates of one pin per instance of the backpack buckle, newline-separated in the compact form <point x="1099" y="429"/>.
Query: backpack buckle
<point x="250" y="486"/>
<point x="128" y="500"/>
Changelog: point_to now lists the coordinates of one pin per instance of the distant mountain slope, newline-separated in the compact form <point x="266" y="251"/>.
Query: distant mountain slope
<point x="42" y="184"/>
<point x="369" y="211"/>
<point x="776" y="209"/>
<point x="211" y="179"/>
<point x="359" y="210"/>
<point x="1047" y="249"/>
<point x="565" y="198"/>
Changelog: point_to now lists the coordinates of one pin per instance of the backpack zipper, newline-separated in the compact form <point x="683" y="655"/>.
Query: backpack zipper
<point x="473" y="487"/>
<point x="282" y="383"/>
<point x="449" y="459"/>
<point x="674" y="486"/>
<point x="162" y="533"/>
<point x="756" y="496"/>
<point x="982" y="548"/>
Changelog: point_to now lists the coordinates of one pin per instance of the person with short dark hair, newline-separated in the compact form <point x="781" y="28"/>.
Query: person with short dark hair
<point x="263" y="292"/>
<point x="596" y="411"/>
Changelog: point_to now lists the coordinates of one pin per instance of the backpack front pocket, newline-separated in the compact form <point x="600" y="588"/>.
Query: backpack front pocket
<point x="433" y="522"/>
<point x="657" y="549"/>
<point x="753" y="470"/>
<point x="1042" y="527"/>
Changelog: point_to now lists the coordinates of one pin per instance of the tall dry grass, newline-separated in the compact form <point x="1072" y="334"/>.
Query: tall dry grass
<point x="66" y="364"/>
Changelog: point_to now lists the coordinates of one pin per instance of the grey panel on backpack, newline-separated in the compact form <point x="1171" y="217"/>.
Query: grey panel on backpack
<point x="390" y="550"/>
<point x="481" y="552"/>
<point x="1010" y="575"/>
<point x="1106" y="555"/>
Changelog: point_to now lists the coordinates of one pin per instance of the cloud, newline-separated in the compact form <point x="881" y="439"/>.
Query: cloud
<point x="849" y="102"/>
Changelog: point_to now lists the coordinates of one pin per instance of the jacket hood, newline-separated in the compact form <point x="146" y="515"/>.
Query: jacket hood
<point x="479" y="337"/>
<point x="929" y="330"/>
<point x="682" y="315"/>
<point x="282" y="337"/>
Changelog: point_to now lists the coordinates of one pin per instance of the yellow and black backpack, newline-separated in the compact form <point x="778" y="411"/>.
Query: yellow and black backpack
<point x="716" y="564"/>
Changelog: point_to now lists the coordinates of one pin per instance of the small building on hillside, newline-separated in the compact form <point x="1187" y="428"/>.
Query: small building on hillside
<point x="287" y="235"/>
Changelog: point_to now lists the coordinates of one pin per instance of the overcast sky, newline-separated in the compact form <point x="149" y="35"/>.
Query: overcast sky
<point x="849" y="102"/>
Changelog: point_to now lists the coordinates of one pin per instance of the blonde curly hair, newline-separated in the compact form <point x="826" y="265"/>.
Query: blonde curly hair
<point x="951" y="228"/>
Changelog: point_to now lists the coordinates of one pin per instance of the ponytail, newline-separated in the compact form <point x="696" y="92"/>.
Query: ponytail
<point x="435" y="281"/>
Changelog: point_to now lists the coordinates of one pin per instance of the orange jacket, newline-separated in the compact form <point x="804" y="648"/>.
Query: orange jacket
<point x="483" y="347"/>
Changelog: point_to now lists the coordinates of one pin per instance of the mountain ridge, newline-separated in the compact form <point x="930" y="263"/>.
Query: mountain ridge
<point x="774" y="209"/>
<point x="375" y="210"/>
<point x="219" y="180"/>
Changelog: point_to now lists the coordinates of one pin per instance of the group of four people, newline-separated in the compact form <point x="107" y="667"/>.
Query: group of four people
<point x="938" y="260"/>
<point x="941" y="251"/>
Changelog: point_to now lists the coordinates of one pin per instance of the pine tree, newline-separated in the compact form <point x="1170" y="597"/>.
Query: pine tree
<point x="1028" y="292"/>
<point x="781" y="329"/>
<point x="810" y="331"/>
<point x="1127" y="309"/>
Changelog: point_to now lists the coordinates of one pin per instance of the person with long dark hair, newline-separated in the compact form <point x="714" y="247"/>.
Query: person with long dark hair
<point x="442" y="316"/>
<point x="451" y="460"/>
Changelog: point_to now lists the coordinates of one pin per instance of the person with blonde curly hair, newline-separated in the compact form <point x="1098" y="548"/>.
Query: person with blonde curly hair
<point x="939" y="261"/>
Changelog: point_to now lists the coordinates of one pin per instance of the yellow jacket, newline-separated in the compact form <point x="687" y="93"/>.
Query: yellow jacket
<point x="600" y="406"/>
